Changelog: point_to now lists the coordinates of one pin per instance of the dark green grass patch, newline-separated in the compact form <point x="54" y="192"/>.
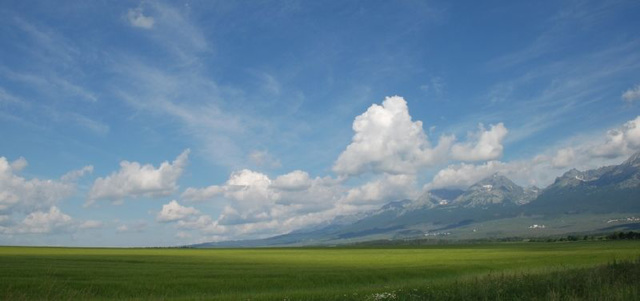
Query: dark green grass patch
<point x="613" y="281"/>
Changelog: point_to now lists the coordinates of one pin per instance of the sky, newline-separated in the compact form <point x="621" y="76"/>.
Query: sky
<point x="164" y="123"/>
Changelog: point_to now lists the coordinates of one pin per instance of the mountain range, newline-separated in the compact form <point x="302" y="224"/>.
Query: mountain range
<point x="603" y="199"/>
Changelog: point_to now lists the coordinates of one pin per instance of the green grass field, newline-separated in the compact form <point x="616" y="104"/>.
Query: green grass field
<point x="302" y="273"/>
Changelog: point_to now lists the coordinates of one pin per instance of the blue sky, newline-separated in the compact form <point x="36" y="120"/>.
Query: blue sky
<point x="128" y="123"/>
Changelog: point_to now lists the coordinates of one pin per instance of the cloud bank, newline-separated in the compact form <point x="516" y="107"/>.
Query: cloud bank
<point x="593" y="151"/>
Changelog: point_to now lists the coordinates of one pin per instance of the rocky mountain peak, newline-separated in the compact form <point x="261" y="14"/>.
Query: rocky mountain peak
<point x="572" y="173"/>
<point x="634" y="160"/>
<point x="495" y="181"/>
<point x="493" y="190"/>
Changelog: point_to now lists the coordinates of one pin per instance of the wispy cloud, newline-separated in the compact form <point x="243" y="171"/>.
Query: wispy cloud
<point x="551" y="93"/>
<point x="632" y="94"/>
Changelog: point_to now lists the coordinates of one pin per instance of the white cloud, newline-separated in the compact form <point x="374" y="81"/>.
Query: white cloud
<point x="138" y="19"/>
<point x="488" y="144"/>
<point x="23" y="195"/>
<point x="19" y="164"/>
<point x="258" y="206"/>
<point x="135" y="180"/>
<point x="173" y="211"/>
<point x="590" y="152"/>
<point x="295" y="180"/>
<point x="249" y="189"/>
<point x="78" y="173"/>
<point x="387" y="188"/>
<point x="387" y="140"/>
<point x="632" y="94"/>
<point x="198" y="223"/>
<point x="41" y="222"/>
<point x="387" y="143"/>
<point x="621" y="141"/>
<point x="202" y="194"/>
<point x="464" y="175"/>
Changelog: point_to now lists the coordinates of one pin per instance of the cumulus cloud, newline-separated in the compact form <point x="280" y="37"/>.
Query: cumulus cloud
<point x="387" y="140"/>
<point x="387" y="188"/>
<point x="41" y="222"/>
<point x="387" y="144"/>
<point x="173" y="212"/>
<point x="587" y="153"/>
<point x="258" y="206"/>
<point x="138" y="19"/>
<point x="485" y="144"/>
<point x="621" y="141"/>
<point x="26" y="195"/>
<point x="135" y="180"/>
<point x="202" y="194"/>
<point x="249" y="195"/>
<point x="19" y="164"/>
<point x="249" y="188"/>
<point x="632" y="94"/>
<point x="197" y="223"/>
<point x="243" y="186"/>
<point x="295" y="180"/>
<point x="464" y="175"/>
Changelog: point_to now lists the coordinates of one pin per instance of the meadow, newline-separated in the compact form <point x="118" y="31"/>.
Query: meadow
<point x="485" y="271"/>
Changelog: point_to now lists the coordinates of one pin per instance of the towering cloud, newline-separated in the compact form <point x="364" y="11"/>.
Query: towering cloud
<point x="387" y="140"/>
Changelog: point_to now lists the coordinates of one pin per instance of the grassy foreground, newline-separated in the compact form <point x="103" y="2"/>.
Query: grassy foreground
<point x="575" y="270"/>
